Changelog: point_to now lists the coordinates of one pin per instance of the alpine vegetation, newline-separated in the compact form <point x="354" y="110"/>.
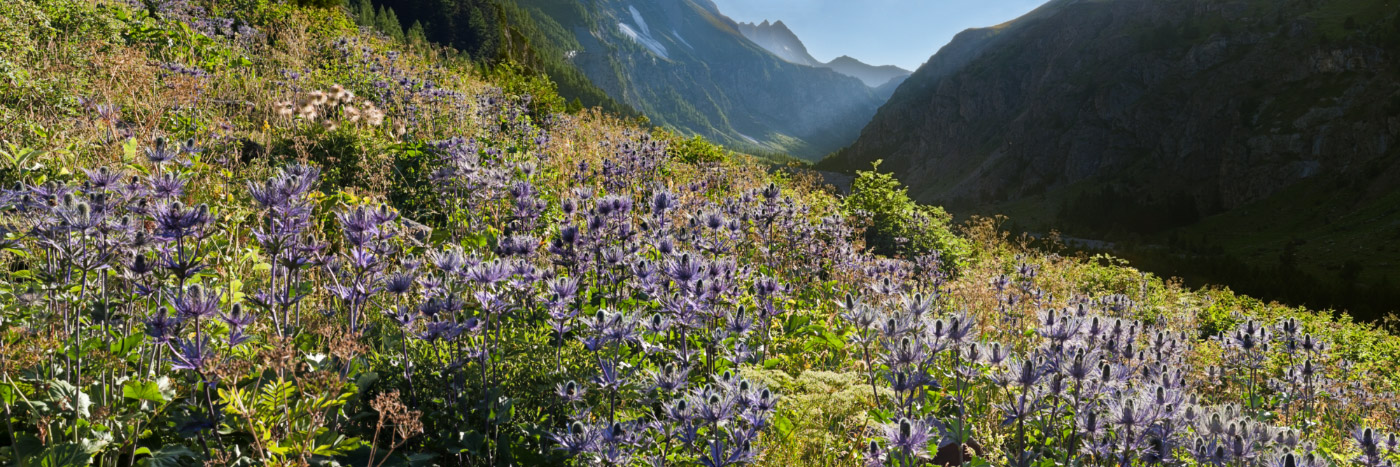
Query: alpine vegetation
<point x="252" y="233"/>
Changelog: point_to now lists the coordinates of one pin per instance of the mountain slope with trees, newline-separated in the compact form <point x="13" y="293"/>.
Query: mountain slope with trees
<point x="1242" y="133"/>
<point x="684" y="65"/>
<point x="260" y="234"/>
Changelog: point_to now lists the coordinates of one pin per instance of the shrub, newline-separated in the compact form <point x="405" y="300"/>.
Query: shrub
<point x="897" y="225"/>
<point x="696" y="150"/>
<point x="541" y="94"/>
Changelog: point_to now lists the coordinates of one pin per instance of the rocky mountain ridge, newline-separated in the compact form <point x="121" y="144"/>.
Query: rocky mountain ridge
<point x="685" y="65"/>
<point x="775" y="37"/>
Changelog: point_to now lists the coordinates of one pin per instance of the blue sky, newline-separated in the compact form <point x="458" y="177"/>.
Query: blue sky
<point x="878" y="32"/>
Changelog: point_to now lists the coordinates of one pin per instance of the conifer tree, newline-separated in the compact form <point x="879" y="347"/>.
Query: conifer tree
<point x="388" y="23"/>
<point x="416" y="34"/>
<point x="364" y="13"/>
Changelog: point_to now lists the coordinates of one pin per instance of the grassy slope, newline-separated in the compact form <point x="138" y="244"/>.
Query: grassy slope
<point x="48" y="61"/>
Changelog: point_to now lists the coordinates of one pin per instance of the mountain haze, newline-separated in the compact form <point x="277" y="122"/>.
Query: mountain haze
<point x="871" y="75"/>
<point x="775" y="37"/>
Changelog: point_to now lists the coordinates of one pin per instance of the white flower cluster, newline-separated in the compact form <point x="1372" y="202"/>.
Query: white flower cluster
<point x="332" y="108"/>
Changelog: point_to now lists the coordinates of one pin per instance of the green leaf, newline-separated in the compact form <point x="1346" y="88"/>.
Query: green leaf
<point x="421" y="459"/>
<point x="832" y="340"/>
<point x="69" y="398"/>
<point x="143" y="390"/>
<point x="783" y="425"/>
<point x="365" y="380"/>
<point x="168" y="456"/>
<point x="131" y="149"/>
<point x="97" y="438"/>
<point x="62" y="455"/>
<point x="123" y="347"/>
<point x="8" y="394"/>
<point x="27" y="446"/>
<point x="167" y="390"/>
<point x="796" y="323"/>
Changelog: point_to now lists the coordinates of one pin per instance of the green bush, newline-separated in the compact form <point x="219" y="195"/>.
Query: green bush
<point x="899" y="226"/>
<point x="320" y="3"/>
<point x="516" y="80"/>
<point x="696" y="150"/>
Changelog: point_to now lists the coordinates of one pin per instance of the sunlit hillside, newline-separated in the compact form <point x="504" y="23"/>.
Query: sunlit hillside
<point x="255" y="232"/>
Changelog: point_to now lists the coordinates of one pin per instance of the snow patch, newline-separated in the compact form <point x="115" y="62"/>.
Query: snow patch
<point x="651" y="44"/>
<point x="642" y="34"/>
<point x="687" y="44"/>
<point x="637" y="18"/>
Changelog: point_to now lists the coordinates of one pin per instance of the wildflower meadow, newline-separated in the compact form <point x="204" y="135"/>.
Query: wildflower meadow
<point x="251" y="233"/>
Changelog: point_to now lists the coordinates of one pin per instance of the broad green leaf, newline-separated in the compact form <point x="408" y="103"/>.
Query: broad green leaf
<point x="62" y="455"/>
<point x="68" y="398"/>
<point x="143" y="390"/>
<point x="169" y="456"/>
<point x="832" y="340"/>
<point x="8" y="394"/>
<point x="123" y="346"/>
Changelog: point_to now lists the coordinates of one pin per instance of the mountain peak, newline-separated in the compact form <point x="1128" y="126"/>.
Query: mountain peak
<point x="775" y="37"/>
<point x="871" y="75"/>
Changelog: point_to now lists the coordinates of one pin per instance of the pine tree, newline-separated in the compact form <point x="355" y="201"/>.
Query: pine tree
<point x="394" y="27"/>
<point x="364" y="13"/>
<point x="416" y="34"/>
<point x="388" y="23"/>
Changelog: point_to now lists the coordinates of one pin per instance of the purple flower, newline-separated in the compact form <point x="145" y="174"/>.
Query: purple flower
<point x="570" y="391"/>
<point x="191" y="354"/>
<point x="196" y="303"/>
<point x="909" y="437"/>
<point x="489" y="273"/>
<point x="237" y="321"/>
<point x="162" y="327"/>
<point x="161" y="152"/>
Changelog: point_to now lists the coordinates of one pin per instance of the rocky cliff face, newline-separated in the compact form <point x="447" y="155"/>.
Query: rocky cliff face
<point x="1215" y="104"/>
<point x="686" y="66"/>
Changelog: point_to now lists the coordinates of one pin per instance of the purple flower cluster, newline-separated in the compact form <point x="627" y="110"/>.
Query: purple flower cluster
<point x="129" y="246"/>
<point x="285" y="234"/>
<point x="198" y="18"/>
<point x="1091" y="386"/>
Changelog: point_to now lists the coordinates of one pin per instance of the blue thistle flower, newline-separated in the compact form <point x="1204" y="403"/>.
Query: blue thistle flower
<point x="162" y="327"/>
<point x="910" y="437"/>
<point x="191" y="354"/>
<point x="196" y="303"/>
<point x="161" y="152"/>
